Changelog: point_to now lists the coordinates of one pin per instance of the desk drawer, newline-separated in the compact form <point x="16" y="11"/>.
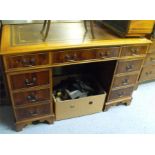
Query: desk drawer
<point x="31" y="97"/>
<point x="101" y="53"/>
<point x="66" y="56"/>
<point x="129" y="66"/>
<point x="31" y="112"/>
<point x="26" y="60"/>
<point x="134" y="50"/>
<point x="30" y="79"/>
<point x="85" y="54"/>
<point x="124" y="80"/>
<point x="120" y="93"/>
<point x="109" y="52"/>
<point x="148" y="73"/>
<point x="150" y="59"/>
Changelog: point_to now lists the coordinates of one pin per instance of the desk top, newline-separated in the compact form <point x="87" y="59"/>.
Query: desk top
<point x="62" y="35"/>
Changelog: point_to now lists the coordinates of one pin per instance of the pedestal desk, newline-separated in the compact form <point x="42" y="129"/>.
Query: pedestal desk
<point x="30" y="65"/>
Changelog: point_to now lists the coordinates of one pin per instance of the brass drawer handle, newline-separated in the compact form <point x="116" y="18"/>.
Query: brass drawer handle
<point x="125" y="81"/>
<point x="72" y="106"/>
<point x="30" y="83"/>
<point x="32" y="98"/>
<point x="104" y="54"/>
<point x="120" y="94"/>
<point x="28" y="63"/>
<point x="129" y="67"/>
<point x="148" y="73"/>
<point x="33" y="113"/>
<point x="71" y="58"/>
<point x="134" y="51"/>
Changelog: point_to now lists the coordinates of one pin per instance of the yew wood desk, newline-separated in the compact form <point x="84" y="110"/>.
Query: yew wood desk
<point x="30" y="65"/>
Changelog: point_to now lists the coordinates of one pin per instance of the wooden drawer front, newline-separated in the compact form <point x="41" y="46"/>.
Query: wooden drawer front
<point x="27" y="60"/>
<point x="31" y="97"/>
<point x="66" y="56"/>
<point x="124" y="80"/>
<point x="31" y="112"/>
<point x="85" y="54"/>
<point x="150" y="59"/>
<point x="148" y="73"/>
<point x="31" y="79"/>
<point x="133" y="50"/>
<point x="116" y="94"/>
<point x="129" y="66"/>
<point x="101" y="53"/>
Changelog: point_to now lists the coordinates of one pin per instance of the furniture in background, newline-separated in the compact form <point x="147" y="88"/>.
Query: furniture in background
<point x="32" y="68"/>
<point x="130" y="28"/>
<point x="148" y="69"/>
<point x="138" y="28"/>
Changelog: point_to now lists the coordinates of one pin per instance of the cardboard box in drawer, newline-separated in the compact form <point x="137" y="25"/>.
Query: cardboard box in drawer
<point x="79" y="107"/>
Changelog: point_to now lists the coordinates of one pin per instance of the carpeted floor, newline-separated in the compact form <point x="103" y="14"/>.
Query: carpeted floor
<point x="139" y="117"/>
